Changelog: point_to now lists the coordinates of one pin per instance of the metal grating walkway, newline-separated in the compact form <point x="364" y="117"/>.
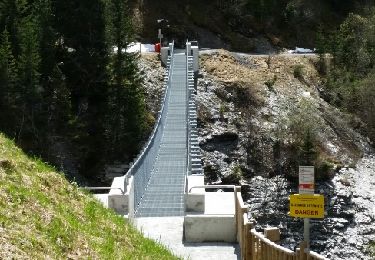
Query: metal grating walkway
<point x="164" y="195"/>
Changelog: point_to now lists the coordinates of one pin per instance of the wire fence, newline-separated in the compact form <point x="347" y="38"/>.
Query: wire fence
<point x="143" y="165"/>
<point x="194" y="155"/>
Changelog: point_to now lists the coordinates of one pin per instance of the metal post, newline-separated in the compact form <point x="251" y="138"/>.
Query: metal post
<point x="160" y="36"/>
<point x="306" y="177"/>
<point x="306" y="232"/>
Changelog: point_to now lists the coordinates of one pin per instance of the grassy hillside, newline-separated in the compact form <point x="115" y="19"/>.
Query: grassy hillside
<point x="44" y="216"/>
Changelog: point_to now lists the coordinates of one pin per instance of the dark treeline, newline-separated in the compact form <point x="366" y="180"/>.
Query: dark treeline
<point x="293" y="22"/>
<point x="62" y="82"/>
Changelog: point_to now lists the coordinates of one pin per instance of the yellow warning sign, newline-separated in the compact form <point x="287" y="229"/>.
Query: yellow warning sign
<point x="306" y="206"/>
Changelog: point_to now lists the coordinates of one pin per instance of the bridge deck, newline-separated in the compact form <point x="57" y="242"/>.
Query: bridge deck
<point x="164" y="195"/>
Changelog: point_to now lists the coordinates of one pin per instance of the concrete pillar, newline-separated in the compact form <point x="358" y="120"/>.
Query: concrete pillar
<point x="188" y="49"/>
<point x="130" y="193"/>
<point x="117" y="200"/>
<point x="164" y="55"/>
<point x="122" y="203"/>
<point x="195" y="54"/>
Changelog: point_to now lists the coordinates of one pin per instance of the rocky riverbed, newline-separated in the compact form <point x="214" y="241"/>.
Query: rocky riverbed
<point x="348" y="228"/>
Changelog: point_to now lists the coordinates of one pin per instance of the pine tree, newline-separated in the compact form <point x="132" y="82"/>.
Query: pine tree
<point x="29" y="89"/>
<point x="308" y="151"/>
<point x="126" y="115"/>
<point x="84" y="54"/>
<point x="8" y="84"/>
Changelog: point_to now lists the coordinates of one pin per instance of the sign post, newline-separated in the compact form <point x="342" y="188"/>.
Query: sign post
<point x="306" y="204"/>
<point x="160" y="36"/>
<point x="306" y="186"/>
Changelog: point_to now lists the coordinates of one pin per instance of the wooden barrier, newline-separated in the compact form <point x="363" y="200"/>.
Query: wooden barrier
<point x="255" y="246"/>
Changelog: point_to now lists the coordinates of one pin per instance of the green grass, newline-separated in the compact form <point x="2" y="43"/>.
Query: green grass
<point x="42" y="216"/>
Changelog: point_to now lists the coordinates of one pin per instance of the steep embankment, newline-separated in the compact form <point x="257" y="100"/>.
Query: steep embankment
<point x="254" y="113"/>
<point x="43" y="216"/>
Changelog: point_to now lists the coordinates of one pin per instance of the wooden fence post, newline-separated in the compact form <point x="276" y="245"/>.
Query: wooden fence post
<point x="302" y="254"/>
<point x="248" y="241"/>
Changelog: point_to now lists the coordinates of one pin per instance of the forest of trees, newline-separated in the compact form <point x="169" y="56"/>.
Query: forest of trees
<point x="64" y="78"/>
<point x="293" y="22"/>
<point x="61" y="81"/>
<point x="350" y="68"/>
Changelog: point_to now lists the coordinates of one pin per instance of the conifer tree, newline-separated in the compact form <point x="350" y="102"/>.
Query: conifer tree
<point x="29" y="89"/>
<point x="8" y="84"/>
<point x="127" y="114"/>
<point x="85" y="57"/>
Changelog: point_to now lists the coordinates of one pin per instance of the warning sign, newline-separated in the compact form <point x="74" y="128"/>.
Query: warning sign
<point x="306" y="206"/>
<point x="306" y="179"/>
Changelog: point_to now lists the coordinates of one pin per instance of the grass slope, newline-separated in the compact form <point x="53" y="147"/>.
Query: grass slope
<point x="43" y="216"/>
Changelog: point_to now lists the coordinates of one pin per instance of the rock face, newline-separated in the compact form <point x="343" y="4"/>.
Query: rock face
<point x="244" y="111"/>
<point x="153" y="73"/>
<point x="252" y="109"/>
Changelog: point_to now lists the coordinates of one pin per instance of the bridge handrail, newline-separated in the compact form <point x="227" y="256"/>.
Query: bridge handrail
<point x="213" y="187"/>
<point x="105" y="188"/>
<point x="188" y="164"/>
<point x="146" y="148"/>
<point x="193" y="167"/>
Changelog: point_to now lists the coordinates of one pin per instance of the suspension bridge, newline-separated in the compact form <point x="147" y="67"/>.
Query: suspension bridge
<point x="163" y="192"/>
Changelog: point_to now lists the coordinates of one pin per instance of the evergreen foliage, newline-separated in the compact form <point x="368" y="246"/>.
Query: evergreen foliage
<point x="60" y="78"/>
<point x="127" y="121"/>
<point x="296" y="21"/>
<point x="350" y="82"/>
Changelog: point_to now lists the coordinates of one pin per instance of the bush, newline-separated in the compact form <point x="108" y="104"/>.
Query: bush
<point x="234" y="177"/>
<point x="269" y="83"/>
<point x="324" y="171"/>
<point x="223" y="109"/>
<point x="210" y="174"/>
<point x="298" y="72"/>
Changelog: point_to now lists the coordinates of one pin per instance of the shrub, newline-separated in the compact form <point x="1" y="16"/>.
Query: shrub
<point x="324" y="171"/>
<point x="223" y="108"/>
<point x="210" y="174"/>
<point x="234" y="177"/>
<point x="298" y="72"/>
<point x="269" y="83"/>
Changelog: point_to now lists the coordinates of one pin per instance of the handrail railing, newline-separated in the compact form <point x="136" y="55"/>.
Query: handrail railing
<point x="142" y="166"/>
<point x="193" y="159"/>
<point x="213" y="187"/>
<point x="105" y="188"/>
<point x="188" y="161"/>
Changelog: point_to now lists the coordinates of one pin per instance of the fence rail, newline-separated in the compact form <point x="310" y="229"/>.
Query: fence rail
<point x="255" y="246"/>
<point x="194" y="155"/>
